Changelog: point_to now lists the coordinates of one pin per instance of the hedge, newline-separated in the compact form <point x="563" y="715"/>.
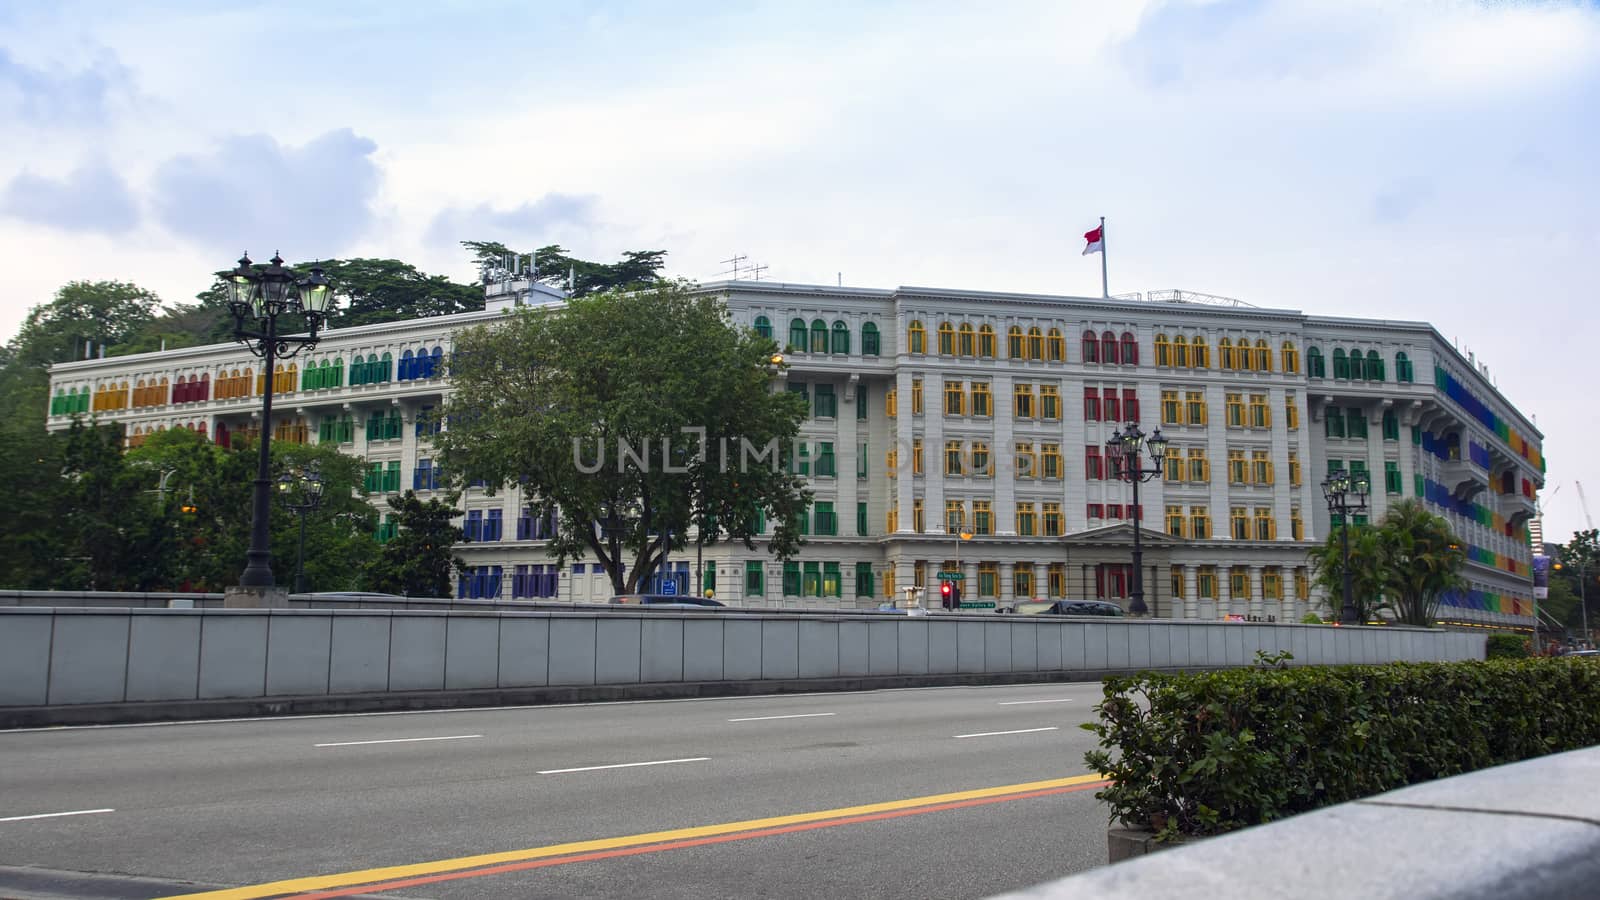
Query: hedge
<point x="1506" y="646"/>
<point x="1206" y="753"/>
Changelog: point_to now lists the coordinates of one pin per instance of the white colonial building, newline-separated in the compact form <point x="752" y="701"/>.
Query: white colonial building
<point x="940" y="411"/>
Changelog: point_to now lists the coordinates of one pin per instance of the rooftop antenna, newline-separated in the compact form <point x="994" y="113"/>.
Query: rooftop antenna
<point x="756" y="272"/>
<point x="841" y="279"/>
<point x="737" y="259"/>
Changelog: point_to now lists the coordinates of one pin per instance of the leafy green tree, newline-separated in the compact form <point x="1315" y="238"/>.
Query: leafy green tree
<point x="112" y="535"/>
<point x="418" y="561"/>
<point x="1421" y="560"/>
<point x="368" y="291"/>
<point x="1576" y="581"/>
<point x="545" y="400"/>
<point x="1366" y="571"/>
<point x="555" y="267"/>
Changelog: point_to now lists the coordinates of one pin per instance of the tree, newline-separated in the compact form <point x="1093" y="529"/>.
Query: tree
<point x="1421" y="560"/>
<point x="367" y="291"/>
<point x="554" y="399"/>
<point x="555" y="267"/>
<point x="1366" y="570"/>
<point x="417" y="561"/>
<point x="1578" y="577"/>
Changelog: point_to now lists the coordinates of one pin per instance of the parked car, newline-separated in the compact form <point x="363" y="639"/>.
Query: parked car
<point x="1071" y="608"/>
<point x="667" y="601"/>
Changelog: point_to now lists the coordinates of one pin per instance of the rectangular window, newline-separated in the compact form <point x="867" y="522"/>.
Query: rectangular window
<point x="1022" y="407"/>
<point x="802" y="457"/>
<point x="1355" y="422"/>
<point x="1130" y="404"/>
<point x="864" y="579"/>
<point x="791" y="578"/>
<point x="916" y="456"/>
<point x="1050" y="461"/>
<point x="1091" y="464"/>
<point x="1199" y="522"/>
<point x="982" y="517"/>
<point x="1049" y="402"/>
<point x="827" y="402"/>
<point x="811" y="586"/>
<point x="391" y="477"/>
<point x="861" y="519"/>
<point x="1235" y="409"/>
<point x="1091" y="404"/>
<point x="1291" y="411"/>
<point x="1391" y="426"/>
<point x="1173" y="463"/>
<point x="952" y="458"/>
<point x="1260" y="413"/>
<point x="988" y="579"/>
<point x="916" y="396"/>
<point x="825" y="461"/>
<point x="1199" y="466"/>
<point x="1022" y="581"/>
<point x="1294" y="468"/>
<point x="1261" y="467"/>
<point x="891" y="518"/>
<point x="916" y="516"/>
<point x="1205" y="583"/>
<point x="982" y="464"/>
<point x="891" y="461"/>
<point x="861" y="401"/>
<point x="1111" y="406"/>
<point x="982" y="400"/>
<point x="494" y="525"/>
<point x="1171" y="408"/>
<point x="1025" y="463"/>
<point x="889" y="403"/>
<point x="1265" y="527"/>
<point x="955" y="516"/>
<point x="1095" y="511"/>
<point x="1297" y="525"/>
<point x="1196" y="402"/>
<point x="1391" y="478"/>
<point x="827" y="523"/>
<point x="473" y="527"/>
<point x="1175" y="521"/>
<point x="861" y="460"/>
<point x="1239" y="582"/>
<point x="955" y="398"/>
<point x="1333" y="422"/>
<point x="1052" y="520"/>
<point x="1057" y="580"/>
<point x="1237" y="469"/>
<point x="754" y="580"/>
<point x="1025" y="519"/>
<point x="1238" y="523"/>
<point x="832" y="580"/>
<point x="1302" y="584"/>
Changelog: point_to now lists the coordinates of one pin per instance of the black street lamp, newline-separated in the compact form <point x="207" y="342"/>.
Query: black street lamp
<point x="301" y="493"/>
<point x="1346" y="493"/>
<point x="257" y="296"/>
<point x="1122" y="455"/>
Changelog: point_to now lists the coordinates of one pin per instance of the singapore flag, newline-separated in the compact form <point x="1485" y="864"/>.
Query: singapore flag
<point x="1096" y="241"/>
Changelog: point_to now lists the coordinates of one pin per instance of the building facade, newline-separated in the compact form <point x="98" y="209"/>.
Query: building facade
<point x="937" y="413"/>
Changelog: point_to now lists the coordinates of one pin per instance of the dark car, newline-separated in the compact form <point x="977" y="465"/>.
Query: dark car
<point x="1076" y="608"/>
<point x="672" y="601"/>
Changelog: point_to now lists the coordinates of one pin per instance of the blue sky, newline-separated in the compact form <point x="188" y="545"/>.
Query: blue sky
<point x="1428" y="160"/>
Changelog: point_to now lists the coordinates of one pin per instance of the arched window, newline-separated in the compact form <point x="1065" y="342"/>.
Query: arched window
<point x="947" y="339"/>
<point x="1055" y="346"/>
<point x="1357" y="370"/>
<point x="203" y="392"/>
<point x="917" y="337"/>
<point x="1374" y="366"/>
<point x="763" y="326"/>
<point x="1291" y="358"/>
<point x="335" y="374"/>
<point x="308" y="378"/>
<point x="384" y="370"/>
<point x="869" y="340"/>
<point x="1014" y="343"/>
<point x="1130" y="349"/>
<point x="408" y="366"/>
<point x="436" y="364"/>
<point x="841" y="338"/>
<point x="201" y="428"/>
<point x="1035" y="343"/>
<point x="1315" y="367"/>
<point x="1341" y="365"/>
<point x="986" y="347"/>
<point x="968" y="345"/>
<point x="1091" y="347"/>
<point x="1180" y="352"/>
<point x="1163" y="351"/>
<point x="797" y="335"/>
<point x="819" y="336"/>
<point x="1225" y="353"/>
<point x="1263" y="356"/>
<point x="1402" y="367"/>
<point x="291" y="376"/>
<point x="1108" y="348"/>
<point x="1201" y="352"/>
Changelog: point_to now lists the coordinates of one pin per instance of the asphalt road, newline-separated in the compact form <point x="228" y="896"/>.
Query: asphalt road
<point x="225" y="804"/>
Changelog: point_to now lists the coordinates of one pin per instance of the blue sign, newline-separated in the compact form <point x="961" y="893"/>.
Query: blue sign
<point x="669" y="585"/>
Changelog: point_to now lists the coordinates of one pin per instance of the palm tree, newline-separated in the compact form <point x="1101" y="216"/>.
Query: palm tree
<point x="1421" y="560"/>
<point x="1366" y="575"/>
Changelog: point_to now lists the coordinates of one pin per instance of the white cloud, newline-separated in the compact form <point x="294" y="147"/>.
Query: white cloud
<point x="90" y="198"/>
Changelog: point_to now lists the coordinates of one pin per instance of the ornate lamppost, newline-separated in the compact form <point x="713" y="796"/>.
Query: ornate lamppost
<point x="257" y="297"/>
<point x="301" y="493"/>
<point x="1346" y="493"/>
<point x="1123" y="455"/>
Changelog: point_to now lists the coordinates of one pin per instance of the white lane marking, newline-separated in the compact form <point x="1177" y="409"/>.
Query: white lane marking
<point x="76" y="812"/>
<point x="795" y="716"/>
<point x="1018" y="702"/>
<point x="657" y="762"/>
<point x="453" y="737"/>
<point x="1018" y="731"/>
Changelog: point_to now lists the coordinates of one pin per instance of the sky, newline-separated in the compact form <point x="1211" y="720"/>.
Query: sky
<point x="1435" y="161"/>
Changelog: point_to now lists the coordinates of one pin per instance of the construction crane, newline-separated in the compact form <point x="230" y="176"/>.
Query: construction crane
<point x="1585" y="501"/>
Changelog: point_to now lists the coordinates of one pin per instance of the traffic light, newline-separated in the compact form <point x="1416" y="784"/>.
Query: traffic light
<point x="946" y="594"/>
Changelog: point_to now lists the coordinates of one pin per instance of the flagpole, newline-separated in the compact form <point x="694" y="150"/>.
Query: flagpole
<point x="1105" y="285"/>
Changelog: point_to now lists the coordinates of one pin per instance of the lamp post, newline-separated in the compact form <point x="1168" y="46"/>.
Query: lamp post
<point x="1122" y="454"/>
<point x="257" y="297"/>
<point x="301" y="493"/>
<point x="1583" y="599"/>
<point x="955" y="585"/>
<point x="1346" y="493"/>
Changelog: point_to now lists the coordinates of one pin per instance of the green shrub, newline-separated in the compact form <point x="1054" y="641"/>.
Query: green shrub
<point x="1507" y="646"/>
<point x="1212" y="752"/>
<point x="1311" y="619"/>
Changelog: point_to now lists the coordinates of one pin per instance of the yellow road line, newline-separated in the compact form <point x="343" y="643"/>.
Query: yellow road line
<point x="368" y="876"/>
